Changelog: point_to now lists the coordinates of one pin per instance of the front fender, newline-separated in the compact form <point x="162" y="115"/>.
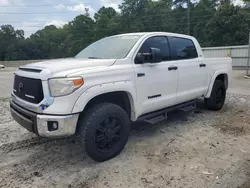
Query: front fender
<point x="212" y="80"/>
<point x="97" y="90"/>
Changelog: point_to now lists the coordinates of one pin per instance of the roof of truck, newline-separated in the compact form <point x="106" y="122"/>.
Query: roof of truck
<point x="150" y="33"/>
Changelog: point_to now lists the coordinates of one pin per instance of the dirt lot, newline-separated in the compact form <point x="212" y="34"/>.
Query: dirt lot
<point x="189" y="150"/>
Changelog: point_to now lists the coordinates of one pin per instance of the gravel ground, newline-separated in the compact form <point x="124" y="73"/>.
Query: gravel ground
<point x="195" y="149"/>
<point x="6" y="79"/>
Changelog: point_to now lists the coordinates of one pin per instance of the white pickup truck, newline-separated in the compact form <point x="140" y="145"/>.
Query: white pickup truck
<point x="116" y="80"/>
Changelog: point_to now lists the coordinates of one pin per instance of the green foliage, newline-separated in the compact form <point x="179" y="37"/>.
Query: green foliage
<point x="107" y="22"/>
<point x="212" y="22"/>
<point x="227" y="27"/>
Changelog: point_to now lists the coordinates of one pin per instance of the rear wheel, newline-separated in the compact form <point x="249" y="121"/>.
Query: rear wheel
<point x="218" y="96"/>
<point x="103" y="131"/>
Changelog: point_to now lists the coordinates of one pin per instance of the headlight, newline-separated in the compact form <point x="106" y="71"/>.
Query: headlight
<point x="64" y="86"/>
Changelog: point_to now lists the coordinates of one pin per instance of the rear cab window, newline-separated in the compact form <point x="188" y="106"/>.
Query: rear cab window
<point x="185" y="48"/>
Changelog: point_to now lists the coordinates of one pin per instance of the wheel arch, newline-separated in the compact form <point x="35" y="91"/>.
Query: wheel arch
<point x="219" y="75"/>
<point x="121" y="94"/>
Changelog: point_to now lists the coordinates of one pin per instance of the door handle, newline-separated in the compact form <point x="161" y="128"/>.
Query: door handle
<point x="202" y="65"/>
<point x="172" y="68"/>
<point x="140" y="74"/>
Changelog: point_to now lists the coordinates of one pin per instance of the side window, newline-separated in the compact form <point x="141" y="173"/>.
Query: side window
<point x="185" y="48"/>
<point x="157" y="42"/>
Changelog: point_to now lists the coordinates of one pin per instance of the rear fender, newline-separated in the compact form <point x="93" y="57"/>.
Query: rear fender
<point x="213" y="78"/>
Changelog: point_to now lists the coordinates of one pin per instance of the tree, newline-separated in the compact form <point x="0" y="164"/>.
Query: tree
<point x="134" y="15"/>
<point x="49" y="41"/>
<point x="158" y="16"/>
<point x="201" y="13"/>
<point x="81" y="34"/>
<point x="107" y="22"/>
<point x="9" y="39"/>
<point x="227" y="27"/>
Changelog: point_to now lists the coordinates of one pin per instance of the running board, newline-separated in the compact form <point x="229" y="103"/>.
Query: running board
<point x="156" y="119"/>
<point x="161" y="115"/>
<point x="188" y="107"/>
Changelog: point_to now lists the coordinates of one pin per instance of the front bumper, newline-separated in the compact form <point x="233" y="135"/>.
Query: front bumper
<point x="42" y="125"/>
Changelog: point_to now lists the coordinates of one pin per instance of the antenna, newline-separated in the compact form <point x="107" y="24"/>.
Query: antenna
<point x="86" y="11"/>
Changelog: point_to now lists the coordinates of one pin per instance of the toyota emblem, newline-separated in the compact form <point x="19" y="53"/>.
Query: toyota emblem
<point x="20" y="87"/>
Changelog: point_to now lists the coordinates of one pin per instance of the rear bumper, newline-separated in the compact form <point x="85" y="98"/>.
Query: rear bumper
<point x="42" y="125"/>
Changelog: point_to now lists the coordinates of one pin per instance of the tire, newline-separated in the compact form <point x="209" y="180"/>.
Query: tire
<point x="217" y="97"/>
<point x="103" y="131"/>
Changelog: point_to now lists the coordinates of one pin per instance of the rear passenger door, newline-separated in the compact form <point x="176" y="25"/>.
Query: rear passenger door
<point x="156" y="83"/>
<point x="191" y="72"/>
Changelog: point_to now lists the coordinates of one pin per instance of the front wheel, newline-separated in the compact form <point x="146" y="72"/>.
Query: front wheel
<point x="218" y="96"/>
<point x="103" y="131"/>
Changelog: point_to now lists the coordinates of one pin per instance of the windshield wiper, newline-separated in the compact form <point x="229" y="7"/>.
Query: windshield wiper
<point x="94" y="58"/>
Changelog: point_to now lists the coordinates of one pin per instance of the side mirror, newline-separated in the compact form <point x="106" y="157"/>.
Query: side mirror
<point x="139" y="59"/>
<point x="156" y="56"/>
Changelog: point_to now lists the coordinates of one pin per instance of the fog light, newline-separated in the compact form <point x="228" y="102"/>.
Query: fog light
<point x="52" y="125"/>
<point x="55" y="126"/>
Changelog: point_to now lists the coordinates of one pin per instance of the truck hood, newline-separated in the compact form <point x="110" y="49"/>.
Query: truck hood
<point x="63" y="67"/>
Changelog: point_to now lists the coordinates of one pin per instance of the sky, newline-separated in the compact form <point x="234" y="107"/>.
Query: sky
<point x="32" y="15"/>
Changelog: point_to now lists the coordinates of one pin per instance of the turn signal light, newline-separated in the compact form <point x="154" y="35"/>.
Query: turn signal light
<point x="78" y="82"/>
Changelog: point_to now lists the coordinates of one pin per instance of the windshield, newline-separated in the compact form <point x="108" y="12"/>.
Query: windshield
<point x="115" y="47"/>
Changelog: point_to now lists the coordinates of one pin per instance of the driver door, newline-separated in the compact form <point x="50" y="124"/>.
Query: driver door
<point x="156" y="83"/>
